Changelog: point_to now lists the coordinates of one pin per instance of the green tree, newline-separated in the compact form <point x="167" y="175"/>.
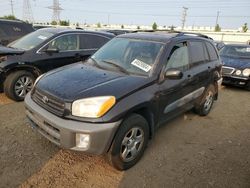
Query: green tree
<point x="154" y="26"/>
<point x="138" y="27"/>
<point x="77" y="24"/>
<point x="64" y="23"/>
<point x="99" y="25"/>
<point x="217" y="28"/>
<point x="54" y="23"/>
<point x="122" y="26"/>
<point x="9" y="17"/>
<point x="244" y="28"/>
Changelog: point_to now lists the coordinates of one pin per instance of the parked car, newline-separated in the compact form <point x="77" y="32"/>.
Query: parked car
<point x="113" y="103"/>
<point x="236" y="65"/>
<point x="219" y="45"/>
<point x="11" y="30"/>
<point x="43" y="50"/>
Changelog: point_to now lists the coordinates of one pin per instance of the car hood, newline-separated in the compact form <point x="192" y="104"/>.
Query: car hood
<point x="79" y="81"/>
<point x="239" y="63"/>
<point x="10" y="51"/>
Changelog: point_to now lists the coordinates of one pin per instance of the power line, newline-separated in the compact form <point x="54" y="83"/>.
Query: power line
<point x="184" y="15"/>
<point x="56" y="10"/>
<point x="12" y="10"/>
<point x="27" y="11"/>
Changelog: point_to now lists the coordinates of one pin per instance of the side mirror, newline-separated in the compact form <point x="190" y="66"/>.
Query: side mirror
<point x="51" y="50"/>
<point x="173" y="74"/>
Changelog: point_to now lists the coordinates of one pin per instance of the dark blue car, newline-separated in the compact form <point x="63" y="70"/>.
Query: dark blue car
<point x="236" y="65"/>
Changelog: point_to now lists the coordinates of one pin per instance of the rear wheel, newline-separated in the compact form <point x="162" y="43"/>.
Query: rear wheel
<point x="206" y="102"/>
<point x="18" y="84"/>
<point x="129" y="143"/>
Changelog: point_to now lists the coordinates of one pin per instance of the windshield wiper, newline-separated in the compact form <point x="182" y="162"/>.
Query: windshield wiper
<point x="115" y="65"/>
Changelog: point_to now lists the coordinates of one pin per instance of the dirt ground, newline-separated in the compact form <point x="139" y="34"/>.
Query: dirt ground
<point x="190" y="151"/>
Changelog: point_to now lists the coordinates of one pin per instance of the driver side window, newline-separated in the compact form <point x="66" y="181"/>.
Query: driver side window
<point x="65" y="43"/>
<point x="178" y="57"/>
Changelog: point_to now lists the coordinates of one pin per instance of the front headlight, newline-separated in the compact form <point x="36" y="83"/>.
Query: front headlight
<point x="238" y="72"/>
<point x="246" y="72"/>
<point x="92" y="107"/>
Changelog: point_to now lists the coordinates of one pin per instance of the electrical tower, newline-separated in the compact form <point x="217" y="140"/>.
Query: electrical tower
<point x="184" y="15"/>
<point x="56" y="10"/>
<point x="12" y="9"/>
<point x="27" y="12"/>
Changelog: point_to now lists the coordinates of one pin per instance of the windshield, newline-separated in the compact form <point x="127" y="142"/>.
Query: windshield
<point x="236" y="51"/>
<point x="128" y="55"/>
<point x="31" y="40"/>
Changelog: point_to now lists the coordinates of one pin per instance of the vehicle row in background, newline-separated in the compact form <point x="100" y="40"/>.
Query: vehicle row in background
<point x="43" y="50"/>
<point x="11" y="30"/>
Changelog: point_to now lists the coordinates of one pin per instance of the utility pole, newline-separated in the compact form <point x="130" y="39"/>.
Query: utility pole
<point x="56" y="11"/>
<point x="12" y="9"/>
<point x="27" y="11"/>
<point x="217" y="17"/>
<point x="184" y="15"/>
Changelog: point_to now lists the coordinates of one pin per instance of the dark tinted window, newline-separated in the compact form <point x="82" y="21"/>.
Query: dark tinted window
<point x="198" y="51"/>
<point x="91" y="41"/>
<point x="212" y="53"/>
<point x="178" y="57"/>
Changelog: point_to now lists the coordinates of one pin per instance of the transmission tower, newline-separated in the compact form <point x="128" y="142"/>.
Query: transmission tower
<point x="12" y="9"/>
<point x="184" y="15"/>
<point x="56" y="10"/>
<point x="27" y="12"/>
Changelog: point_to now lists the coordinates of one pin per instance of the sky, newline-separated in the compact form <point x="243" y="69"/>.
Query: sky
<point x="232" y="13"/>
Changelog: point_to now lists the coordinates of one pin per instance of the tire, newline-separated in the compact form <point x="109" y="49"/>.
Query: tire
<point x="18" y="84"/>
<point x="206" y="102"/>
<point x="124" y="145"/>
<point x="248" y="86"/>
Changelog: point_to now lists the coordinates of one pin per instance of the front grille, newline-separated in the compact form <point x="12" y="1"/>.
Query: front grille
<point x="227" y="70"/>
<point x="48" y="102"/>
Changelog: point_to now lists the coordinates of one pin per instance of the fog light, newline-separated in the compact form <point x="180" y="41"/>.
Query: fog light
<point x="82" y="141"/>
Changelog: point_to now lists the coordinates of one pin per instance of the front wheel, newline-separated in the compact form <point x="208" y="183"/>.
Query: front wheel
<point x="129" y="143"/>
<point x="206" y="102"/>
<point x="18" y="84"/>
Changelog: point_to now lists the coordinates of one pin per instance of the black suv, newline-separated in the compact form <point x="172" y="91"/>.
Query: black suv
<point x="43" y="50"/>
<point x="11" y="30"/>
<point x="113" y="103"/>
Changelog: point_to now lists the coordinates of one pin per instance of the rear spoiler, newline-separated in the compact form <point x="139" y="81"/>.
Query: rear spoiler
<point x="10" y="51"/>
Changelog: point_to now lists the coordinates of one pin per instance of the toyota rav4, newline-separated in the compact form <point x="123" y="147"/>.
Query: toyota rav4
<point x="113" y="102"/>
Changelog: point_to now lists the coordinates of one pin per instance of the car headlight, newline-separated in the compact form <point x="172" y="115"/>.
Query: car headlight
<point x="238" y="72"/>
<point x="246" y="72"/>
<point x="92" y="107"/>
<point x="38" y="78"/>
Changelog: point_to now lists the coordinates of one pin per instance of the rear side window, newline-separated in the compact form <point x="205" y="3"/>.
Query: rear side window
<point x="89" y="41"/>
<point x="198" y="53"/>
<point x="212" y="53"/>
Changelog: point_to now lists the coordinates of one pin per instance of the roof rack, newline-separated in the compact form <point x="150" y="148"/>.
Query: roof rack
<point x="180" y="33"/>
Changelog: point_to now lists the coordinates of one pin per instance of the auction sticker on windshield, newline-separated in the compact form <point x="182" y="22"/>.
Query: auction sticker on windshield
<point x="42" y="37"/>
<point x="248" y="49"/>
<point x="141" y="65"/>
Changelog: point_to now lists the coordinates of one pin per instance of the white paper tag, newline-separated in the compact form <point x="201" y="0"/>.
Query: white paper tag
<point x="248" y="49"/>
<point x="141" y="65"/>
<point x="42" y="37"/>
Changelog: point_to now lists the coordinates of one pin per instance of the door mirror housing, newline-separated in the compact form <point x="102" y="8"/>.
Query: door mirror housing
<point x="51" y="50"/>
<point x="173" y="74"/>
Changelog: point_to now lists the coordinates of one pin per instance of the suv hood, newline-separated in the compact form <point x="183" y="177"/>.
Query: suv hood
<point x="10" y="51"/>
<point x="79" y="81"/>
<point x="239" y="63"/>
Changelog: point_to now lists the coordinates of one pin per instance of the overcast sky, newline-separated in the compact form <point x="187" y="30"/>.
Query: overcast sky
<point x="233" y="13"/>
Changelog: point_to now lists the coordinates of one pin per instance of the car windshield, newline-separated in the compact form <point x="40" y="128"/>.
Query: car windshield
<point x="236" y="51"/>
<point x="31" y="40"/>
<point x="128" y="55"/>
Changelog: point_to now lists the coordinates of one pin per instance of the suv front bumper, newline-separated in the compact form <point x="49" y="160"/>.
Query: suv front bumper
<point x="235" y="80"/>
<point x="63" y="132"/>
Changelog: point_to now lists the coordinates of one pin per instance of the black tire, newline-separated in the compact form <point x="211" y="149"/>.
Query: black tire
<point x="248" y="86"/>
<point x="206" y="101"/>
<point x="13" y="80"/>
<point x="131" y="124"/>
